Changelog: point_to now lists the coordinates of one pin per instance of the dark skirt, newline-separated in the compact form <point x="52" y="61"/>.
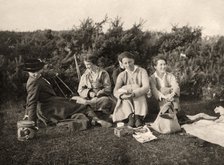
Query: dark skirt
<point x="58" y="108"/>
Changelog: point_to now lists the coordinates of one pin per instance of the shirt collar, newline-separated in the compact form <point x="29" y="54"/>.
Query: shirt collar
<point x="35" y="77"/>
<point x="135" y="68"/>
<point x="96" y="69"/>
<point x="156" y="75"/>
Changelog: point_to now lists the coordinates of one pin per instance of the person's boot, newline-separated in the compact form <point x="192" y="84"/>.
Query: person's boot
<point x="138" y="121"/>
<point x="131" y="120"/>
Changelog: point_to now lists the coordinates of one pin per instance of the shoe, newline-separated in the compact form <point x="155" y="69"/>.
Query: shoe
<point x="131" y="120"/>
<point x="138" y="121"/>
<point x="104" y="124"/>
<point x="93" y="122"/>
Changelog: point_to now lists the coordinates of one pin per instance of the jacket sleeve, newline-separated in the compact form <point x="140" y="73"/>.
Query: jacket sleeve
<point x="145" y="84"/>
<point x="82" y="88"/>
<point x="32" y="98"/>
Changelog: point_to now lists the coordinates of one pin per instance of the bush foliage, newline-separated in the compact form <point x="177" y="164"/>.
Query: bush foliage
<point x="195" y="60"/>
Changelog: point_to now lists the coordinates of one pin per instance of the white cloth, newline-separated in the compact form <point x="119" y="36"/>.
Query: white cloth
<point x="201" y="116"/>
<point x="207" y="130"/>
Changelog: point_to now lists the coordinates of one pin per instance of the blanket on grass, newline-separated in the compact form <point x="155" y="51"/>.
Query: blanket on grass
<point x="208" y="130"/>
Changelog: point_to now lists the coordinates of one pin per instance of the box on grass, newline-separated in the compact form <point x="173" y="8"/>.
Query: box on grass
<point x="123" y="131"/>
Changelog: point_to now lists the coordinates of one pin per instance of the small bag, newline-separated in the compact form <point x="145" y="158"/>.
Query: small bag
<point x="166" y="121"/>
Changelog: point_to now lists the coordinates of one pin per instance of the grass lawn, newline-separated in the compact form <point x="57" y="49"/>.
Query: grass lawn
<point x="100" y="146"/>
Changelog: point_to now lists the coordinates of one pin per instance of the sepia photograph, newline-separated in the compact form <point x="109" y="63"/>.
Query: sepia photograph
<point x="111" y="82"/>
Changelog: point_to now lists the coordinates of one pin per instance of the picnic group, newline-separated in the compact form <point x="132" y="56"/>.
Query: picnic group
<point x="126" y="101"/>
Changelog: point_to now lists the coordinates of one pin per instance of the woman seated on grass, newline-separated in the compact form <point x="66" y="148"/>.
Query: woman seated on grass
<point x="95" y="87"/>
<point x="130" y="89"/>
<point x="164" y="85"/>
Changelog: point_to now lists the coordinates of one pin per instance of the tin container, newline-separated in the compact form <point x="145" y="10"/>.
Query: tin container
<point x="25" y="130"/>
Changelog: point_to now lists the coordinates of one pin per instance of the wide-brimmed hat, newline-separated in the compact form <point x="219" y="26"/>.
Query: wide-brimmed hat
<point x="33" y="65"/>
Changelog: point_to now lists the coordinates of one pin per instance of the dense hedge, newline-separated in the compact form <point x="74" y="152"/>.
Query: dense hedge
<point x="200" y="72"/>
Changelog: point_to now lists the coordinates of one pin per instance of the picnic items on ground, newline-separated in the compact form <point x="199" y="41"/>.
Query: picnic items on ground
<point x="26" y="130"/>
<point x="144" y="135"/>
<point x="141" y="134"/>
<point x="166" y="121"/>
<point x="123" y="131"/>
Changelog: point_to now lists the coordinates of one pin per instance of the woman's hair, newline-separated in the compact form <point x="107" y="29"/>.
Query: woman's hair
<point x="157" y="58"/>
<point x="125" y="55"/>
<point x="90" y="58"/>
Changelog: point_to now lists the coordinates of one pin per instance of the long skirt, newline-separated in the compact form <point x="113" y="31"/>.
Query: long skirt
<point x="124" y="108"/>
<point x="58" y="108"/>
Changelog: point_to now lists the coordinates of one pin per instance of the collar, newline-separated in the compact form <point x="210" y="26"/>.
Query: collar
<point x="156" y="75"/>
<point x="35" y="77"/>
<point x="96" y="69"/>
<point x="135" y="68"/>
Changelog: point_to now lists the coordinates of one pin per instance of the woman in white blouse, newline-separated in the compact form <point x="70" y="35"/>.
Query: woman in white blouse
<point x="164" y="85"/>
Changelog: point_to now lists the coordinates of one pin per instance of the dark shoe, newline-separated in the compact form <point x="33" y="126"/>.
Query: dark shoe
<point x="138" y="121"/>
<point x="131" y="120"/>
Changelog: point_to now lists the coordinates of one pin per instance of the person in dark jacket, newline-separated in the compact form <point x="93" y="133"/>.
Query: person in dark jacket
<point x="42" y="102"/>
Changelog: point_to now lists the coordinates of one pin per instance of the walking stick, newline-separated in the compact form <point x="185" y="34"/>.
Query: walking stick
<point x="64" y="84"/>
<point x="60" y="88"/>
<point x="77" y="66"/>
